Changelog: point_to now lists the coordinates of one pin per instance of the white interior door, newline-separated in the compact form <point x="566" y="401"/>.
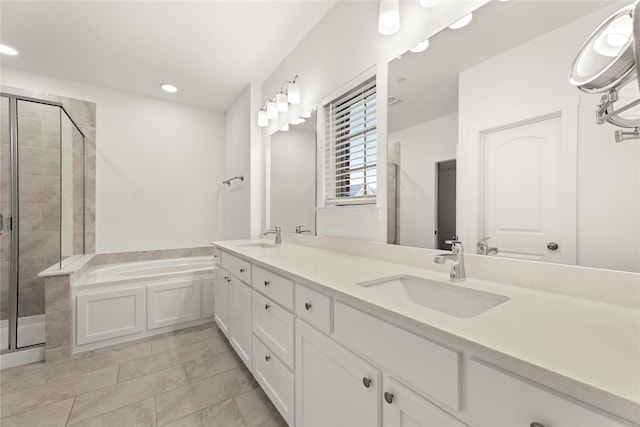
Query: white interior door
<point x="521" y="191"/>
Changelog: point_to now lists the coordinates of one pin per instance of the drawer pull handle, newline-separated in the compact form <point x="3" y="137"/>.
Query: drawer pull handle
<point x="367" y="382"/>
<point x="267" y="358"/>
<point x="388" y="397"/>
<point x="307" y="306"/>
<point x="267" y="306"/>
<point x="215" y="256"/>
<point x="536" y="424"/>
<point x="266" y="283"/>
<point x="227" y="278"/>
<point x="242" y="270"/>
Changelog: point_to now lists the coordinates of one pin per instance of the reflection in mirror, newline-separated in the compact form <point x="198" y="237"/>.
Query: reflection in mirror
<point x="534" y="173"/>
<point x="291" y="175"/>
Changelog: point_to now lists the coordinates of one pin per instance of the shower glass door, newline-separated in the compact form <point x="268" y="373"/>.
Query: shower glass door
<point x="38" y="226"/>
<point x="5" y="239"/>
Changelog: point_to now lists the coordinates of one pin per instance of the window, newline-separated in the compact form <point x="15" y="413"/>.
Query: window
<point x="351" y="146"/>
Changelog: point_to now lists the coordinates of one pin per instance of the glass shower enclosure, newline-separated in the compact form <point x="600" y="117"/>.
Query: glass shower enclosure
<point x="41" y="210"/>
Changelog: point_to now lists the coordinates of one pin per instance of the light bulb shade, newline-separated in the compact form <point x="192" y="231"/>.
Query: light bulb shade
<point x="8" y="50"/>
<point x="263" y="120"/>
<point x="607" y="58"/>
<point x="389" y="17"/>
<point x="272" y="111"/>
<point x="462" y="22"/>
<point x="420" y="47"/>
<point x="281" y="103"/>
<point x="293" y="93"/>
<point x="430" y="3"/>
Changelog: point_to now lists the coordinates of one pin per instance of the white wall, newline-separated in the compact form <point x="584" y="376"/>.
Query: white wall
<point x="607" y="231"/>
<point x="237" y="206"/>
<point x="156" y="165"/>
<point x="421" y="146"/>
<point x="292" y="183"/>
<point x="344" y="44"/>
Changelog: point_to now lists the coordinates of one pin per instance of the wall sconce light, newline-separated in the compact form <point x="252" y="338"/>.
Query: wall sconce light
<point x="289" y="94"/>
<point x="389" y="17"/>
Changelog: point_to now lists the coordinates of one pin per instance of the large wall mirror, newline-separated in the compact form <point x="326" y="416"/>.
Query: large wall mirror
<point x="490" y="140"/>
<point x="291" y="176"/>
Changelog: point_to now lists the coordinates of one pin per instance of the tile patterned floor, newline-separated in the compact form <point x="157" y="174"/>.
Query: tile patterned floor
<point x="185" y="378"/>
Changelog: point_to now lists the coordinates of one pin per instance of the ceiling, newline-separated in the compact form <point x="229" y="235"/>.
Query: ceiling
<point x="210" y="50"/>
<point x="427" y="83"/>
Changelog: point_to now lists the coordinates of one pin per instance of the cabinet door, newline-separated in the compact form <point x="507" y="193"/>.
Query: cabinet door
<point x="208" y="293"/>
<point x="240" y="335"/>
<point x="221" y="301"/>
<point x="402" y="407"/>
<point x="334" y="387"/>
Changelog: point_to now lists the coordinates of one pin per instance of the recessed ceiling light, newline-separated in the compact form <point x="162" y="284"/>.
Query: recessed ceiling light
<point x="461" y="22"/>
<point x="7" y="50"/>
<point x="420" y="47"/>
<point x="169" y="88"/>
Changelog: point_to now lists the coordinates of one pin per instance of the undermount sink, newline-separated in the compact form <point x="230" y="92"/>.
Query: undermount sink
<point x="257" y="245"/>
<point x="449" y="299"/>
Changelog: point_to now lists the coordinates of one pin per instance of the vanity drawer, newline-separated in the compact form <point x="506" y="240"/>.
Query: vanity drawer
<point x="274" y="326"/>
<point x="498" y="397"/>
<point x="313" y="307"/>
<point x="243" y="271"/>
<point x="428" y="367"/>
<point x="275" y="287"/>
<point x="229" y="262"/>
<point x="274" y="377"/>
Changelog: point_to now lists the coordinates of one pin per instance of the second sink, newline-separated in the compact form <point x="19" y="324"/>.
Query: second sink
<point x="449" y="299"/>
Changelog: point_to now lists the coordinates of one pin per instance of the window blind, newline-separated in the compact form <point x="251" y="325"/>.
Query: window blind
<point x="351" y="146"/>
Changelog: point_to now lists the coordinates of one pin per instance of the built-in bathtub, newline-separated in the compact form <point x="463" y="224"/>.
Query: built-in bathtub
<point x="127" y="301"/>
<point x="131" y="272"/>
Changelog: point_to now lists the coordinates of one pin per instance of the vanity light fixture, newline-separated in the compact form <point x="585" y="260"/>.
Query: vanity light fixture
<point x="8" y="50"/>
<point x="462" y="22"/>
<point x="389" y="17"/>
<point x="420" y="47"/>
<point x="608" y="63"/>
<point x="289" y="94"/>
<point x="168" y="88"/>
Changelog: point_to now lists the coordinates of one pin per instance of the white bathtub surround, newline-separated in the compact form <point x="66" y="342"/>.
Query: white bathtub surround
<point x="58" y="283"/>
<point x="562" y="342"/>
<point x="149" y="298"/>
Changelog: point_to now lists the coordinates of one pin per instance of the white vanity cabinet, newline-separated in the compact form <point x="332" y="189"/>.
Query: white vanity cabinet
<point x="221" y="300"/>
<point x="334" y="387"/>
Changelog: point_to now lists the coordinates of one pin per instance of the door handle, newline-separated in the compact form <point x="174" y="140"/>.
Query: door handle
<point x="552" y="246"/>
<point x="1" y="224"/>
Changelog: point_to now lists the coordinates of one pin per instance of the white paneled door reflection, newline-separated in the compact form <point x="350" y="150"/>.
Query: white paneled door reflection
<point x="521" y="190"/>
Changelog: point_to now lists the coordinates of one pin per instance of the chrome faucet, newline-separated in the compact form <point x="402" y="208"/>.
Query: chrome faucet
<point x="483" y="247"/>
<point x="300" y="229"/>
<point x="274" y="230"/>
<point x="456" y="256"/>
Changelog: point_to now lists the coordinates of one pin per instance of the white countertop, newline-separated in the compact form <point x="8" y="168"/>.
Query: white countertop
<point x="586" y="348"/>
